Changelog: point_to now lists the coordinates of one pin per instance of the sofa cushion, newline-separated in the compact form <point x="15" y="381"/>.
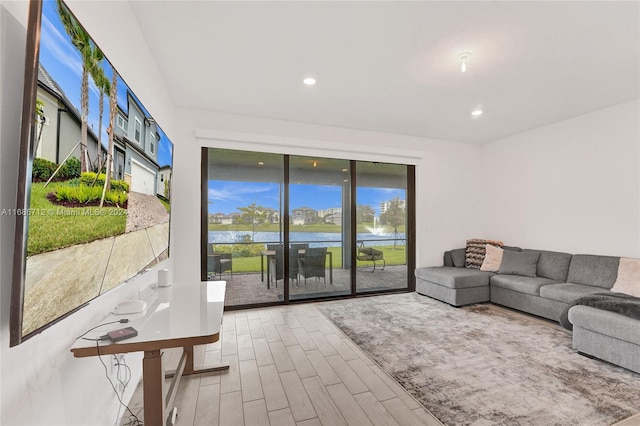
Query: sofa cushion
<point x="458" y="257"/>
<point x="552" y="264"/>
<point x="446" y="260"/>
<point x="454" y="277"/>
<point x="512" y="248"/>
<point x="568" y="292"/>
<point x="492" y="259"/>
<point x="599" y="271"/>
<point x="475" y="251"/>
<point x="628" y="280"/>
<point x="519" y="263"/>
<point x="520" y="284"/>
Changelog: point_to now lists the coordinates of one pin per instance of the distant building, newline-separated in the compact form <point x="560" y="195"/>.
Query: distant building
<point x="215" y="218"/>
<point x="384" y="205"/>
<point x="223" y="219"/>
<point x="330" y="211"/>
<point x="334" y="218"/>
<point x="273" y="216"/>
<point x="304" y="216"/>
<point x="231" y="218"/>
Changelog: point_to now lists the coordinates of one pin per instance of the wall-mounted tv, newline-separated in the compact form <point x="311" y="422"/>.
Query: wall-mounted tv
<point x="94" y="184"/>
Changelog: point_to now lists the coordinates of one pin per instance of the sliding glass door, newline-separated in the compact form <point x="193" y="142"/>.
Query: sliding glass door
<point x="243" y="230"/>
<point x="319" y="200"/>
<point x="381" y="215"/>
<point x="282" y="228"/>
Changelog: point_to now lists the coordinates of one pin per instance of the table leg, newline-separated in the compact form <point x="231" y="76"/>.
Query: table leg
<point x="330" y="267"/>
<point x="153" y="388"/>
<point x="262" y="268"/>
<point x="190" y="368"/>
<point x="269" y="273"/>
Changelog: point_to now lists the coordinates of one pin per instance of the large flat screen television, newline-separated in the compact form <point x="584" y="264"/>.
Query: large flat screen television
<point x="94" y="178"/>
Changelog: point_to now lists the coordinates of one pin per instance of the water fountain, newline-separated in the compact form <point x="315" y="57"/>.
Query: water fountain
<point x="376" y="230"/>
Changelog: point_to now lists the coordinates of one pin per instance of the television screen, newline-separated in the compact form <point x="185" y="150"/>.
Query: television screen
<point x="93" y="204"/>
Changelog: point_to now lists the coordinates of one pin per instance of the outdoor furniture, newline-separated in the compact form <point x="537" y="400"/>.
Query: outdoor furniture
<point x="223" y="263"/>
<point x="276" y="265"/>
<point x="313" y="263"/>
<point x="271" y="253"/>
<point x="371" y="254"/>
<point x="218" y="263"/>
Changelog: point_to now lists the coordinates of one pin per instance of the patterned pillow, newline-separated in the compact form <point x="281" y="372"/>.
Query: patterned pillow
<point x="475" y="251"/>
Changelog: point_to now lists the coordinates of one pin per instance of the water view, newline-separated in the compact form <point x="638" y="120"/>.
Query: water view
<point x="315" y="239"/>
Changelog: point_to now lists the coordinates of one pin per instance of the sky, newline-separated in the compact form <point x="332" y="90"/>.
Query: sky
<point x="62" y="61"/>
<point x="226" y="196"/>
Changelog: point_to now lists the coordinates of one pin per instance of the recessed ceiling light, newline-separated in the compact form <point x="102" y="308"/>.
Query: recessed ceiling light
<point x="463" y="58"/>
<point x="309" y="81"/>
<point x="477" y="112"/>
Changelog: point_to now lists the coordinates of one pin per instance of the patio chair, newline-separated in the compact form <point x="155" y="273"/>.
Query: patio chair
<point x="299" y="246"/>
<point x="276" y="265"/>
<point x="218" y="263"/>
<point x="371" y="254"/>
<point x="313" y="263"/>
<point x="223" y="263"/>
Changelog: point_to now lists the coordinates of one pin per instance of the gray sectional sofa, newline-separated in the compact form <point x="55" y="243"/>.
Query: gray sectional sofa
<point x="545" y="289"/>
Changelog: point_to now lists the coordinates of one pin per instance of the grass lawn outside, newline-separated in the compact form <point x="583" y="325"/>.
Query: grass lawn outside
<point x="391" y="257"/>
<point x="165" y="203"/>
<point x="52" y="227"/>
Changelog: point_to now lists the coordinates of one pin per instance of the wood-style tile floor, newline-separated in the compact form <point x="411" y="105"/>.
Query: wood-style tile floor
<point x="289" y="365"/>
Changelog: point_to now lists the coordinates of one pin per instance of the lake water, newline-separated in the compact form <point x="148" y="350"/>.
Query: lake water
<point x="315" y="239"/>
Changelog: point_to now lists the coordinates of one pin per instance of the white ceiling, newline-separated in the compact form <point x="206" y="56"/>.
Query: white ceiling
<point x="391" y="66"/>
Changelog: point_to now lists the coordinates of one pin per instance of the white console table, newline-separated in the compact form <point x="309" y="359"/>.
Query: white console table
<point x="184" y="315"/>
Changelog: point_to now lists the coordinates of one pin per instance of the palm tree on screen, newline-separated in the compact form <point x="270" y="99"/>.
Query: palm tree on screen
<point x="113" y="107"/>
<point x="81" y="41"/>
<point x="104" y="87"/>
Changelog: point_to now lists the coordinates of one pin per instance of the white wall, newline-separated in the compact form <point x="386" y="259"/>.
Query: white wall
<point x="571" y="186"/>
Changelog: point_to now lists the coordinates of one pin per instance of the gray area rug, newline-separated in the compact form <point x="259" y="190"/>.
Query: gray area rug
<point x="485" y="365"/>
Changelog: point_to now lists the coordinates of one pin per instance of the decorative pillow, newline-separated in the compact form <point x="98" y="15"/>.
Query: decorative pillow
<point x="519" y="263"/>
<point x="628" y="281"/>
<point x="474" y="253"/>
<point x="492" y="258"/>
<point x="458" y="257"/>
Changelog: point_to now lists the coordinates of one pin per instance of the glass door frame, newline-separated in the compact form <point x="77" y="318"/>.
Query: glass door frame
<point x="285" y="224"/>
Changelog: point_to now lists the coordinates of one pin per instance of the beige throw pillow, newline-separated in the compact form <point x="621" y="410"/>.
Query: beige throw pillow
<point x="474" y="253"/>
<point x="628" y="281"/>
<point x="492" y="258"/>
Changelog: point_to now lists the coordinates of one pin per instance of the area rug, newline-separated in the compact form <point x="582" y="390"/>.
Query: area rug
<point x="485" y="365"/>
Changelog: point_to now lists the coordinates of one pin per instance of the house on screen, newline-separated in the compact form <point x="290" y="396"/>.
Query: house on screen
<point x="135" y="157"/>
<point x="59" y="131"/>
